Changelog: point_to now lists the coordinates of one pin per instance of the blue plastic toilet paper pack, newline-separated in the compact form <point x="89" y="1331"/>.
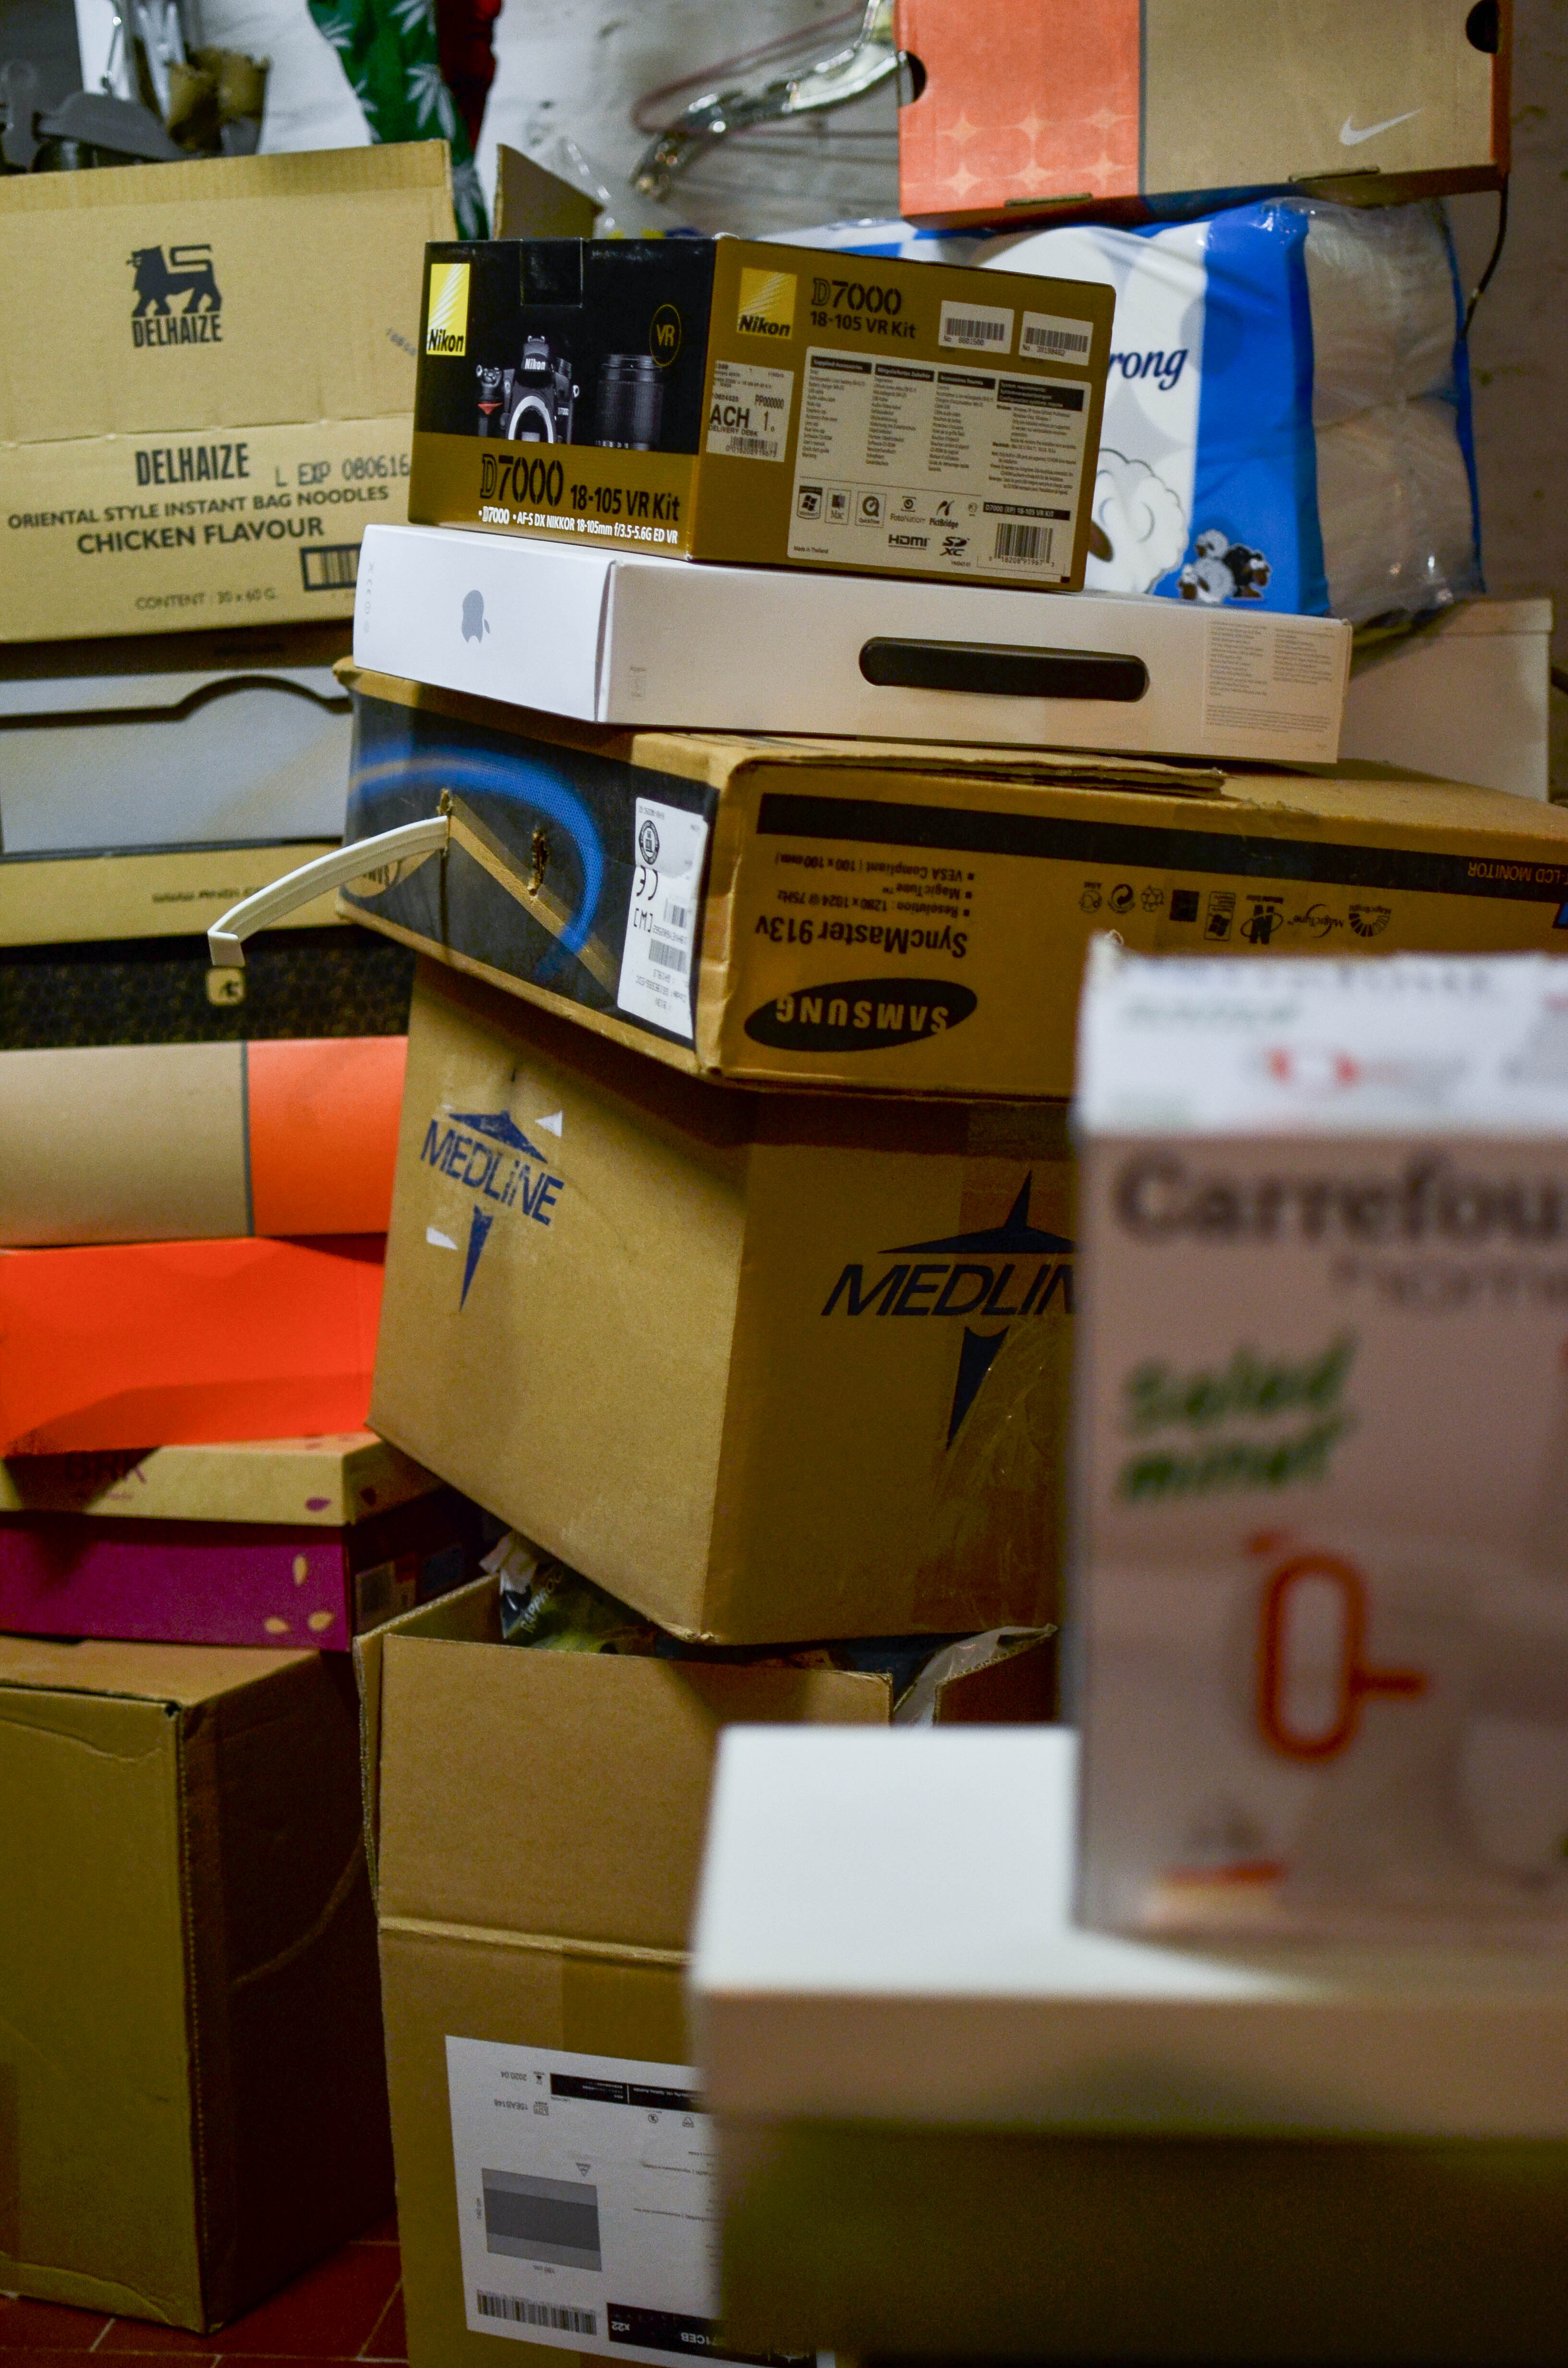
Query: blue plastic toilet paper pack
<point x="1288" y="416"/>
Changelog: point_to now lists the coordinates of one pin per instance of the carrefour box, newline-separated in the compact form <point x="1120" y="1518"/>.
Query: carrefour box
<point x="722" y="399"/>
<point x="901" y="917"/>
<point x="767" y="1367"/>
<point x="208" y="385"/>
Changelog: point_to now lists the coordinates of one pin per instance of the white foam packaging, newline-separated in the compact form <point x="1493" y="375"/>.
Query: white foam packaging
<point x="1321" y="1499"/>
<point x="641" y="641"/>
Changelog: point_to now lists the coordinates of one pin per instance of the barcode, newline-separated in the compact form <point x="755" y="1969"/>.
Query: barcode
<point x="665" y="957"/>
<point x="537" y="2313"/>
<point x="676" y="916"/>
<point x="332" y="569"/>
<point x="1022" y="541"/>
<point x="1055" y="341"/>
<point x="752" y="447"/>
<point x="960" y="330"/>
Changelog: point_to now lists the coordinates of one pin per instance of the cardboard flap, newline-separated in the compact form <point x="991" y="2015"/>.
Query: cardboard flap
<point x="467" y="1615"/>
<point x="183" y="1675"/>
<point x="563" y="1794"/>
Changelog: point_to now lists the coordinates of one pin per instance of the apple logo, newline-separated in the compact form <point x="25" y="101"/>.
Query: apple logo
<point x="476" y="624"/>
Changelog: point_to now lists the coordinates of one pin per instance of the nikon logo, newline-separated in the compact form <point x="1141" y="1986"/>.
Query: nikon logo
<point x="768" y="303"/>
<point x="1160" y="1199"/>
<point x="446" y="320"/>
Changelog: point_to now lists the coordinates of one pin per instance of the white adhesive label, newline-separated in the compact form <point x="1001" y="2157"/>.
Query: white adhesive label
<point x="978" y="328"/>
<point x="661" y="925"/>
<point x="937" y="469"/>
<point x="1053" y="340"/>
<point x="1265" y="675"/>
<point x="748" y="418"/>
<point x="586" y="2201"/>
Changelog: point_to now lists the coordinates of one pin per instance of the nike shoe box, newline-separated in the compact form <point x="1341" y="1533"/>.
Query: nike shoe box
<point x="723" y="399"/>
<point x="766" y="1367"/>
<point x="605" y="637"/>
<point x="1130" y="107"/>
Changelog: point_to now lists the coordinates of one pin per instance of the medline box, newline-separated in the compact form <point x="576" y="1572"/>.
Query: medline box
<point x="814" y="913"/>
<point x="535" y="1821"/>
<point x="608" y="637"/>
<point x="722" y="399"/>
<point x="767" y="1367"/>
<point x="213" y="388"/>
<point x="1324" y="1473"/>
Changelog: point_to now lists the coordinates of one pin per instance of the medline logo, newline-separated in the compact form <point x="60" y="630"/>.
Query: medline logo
<point x="446" y="327"/>
<point x="487" y="1152"/>
<point x="182" y="276"/>
<point x="768" y="303"/>
<point x="969" y="1275"/>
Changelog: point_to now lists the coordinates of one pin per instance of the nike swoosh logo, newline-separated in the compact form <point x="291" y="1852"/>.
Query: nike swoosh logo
<point x="1350" y="138"/>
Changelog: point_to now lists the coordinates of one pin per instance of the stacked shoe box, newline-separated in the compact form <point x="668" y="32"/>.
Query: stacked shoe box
<point x="728" y="1052"/>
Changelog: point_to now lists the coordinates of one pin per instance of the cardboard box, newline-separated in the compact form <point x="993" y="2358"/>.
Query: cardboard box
<point x="536" y="1822"/>
<point x="311" y="1483"/>
<point x="181" y="1341"/>
<point x="79" y="899"/>
<point x="1469" y="693"/>
<point x="1323" y="1415"/>
<point x="200" y="433"/>
<point x="808" y="912"/>
<point x="643" y="640"/>
<point x="198" y="1142"/>
<point x="728" y="399"/>
<point x="226" y="1581"/>
<point x="1022" y="111"/>
<point x="158" y="743"/>
<point x="329" y="981"/>
<point x="190" y="2046"/>
<point x="958" y="2119"/>
<point x="647" y="1322"/>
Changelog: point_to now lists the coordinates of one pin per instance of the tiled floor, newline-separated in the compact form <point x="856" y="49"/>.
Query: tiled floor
<point x="349" y="2309"/>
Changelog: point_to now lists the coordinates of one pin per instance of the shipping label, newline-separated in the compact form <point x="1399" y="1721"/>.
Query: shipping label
<point x="661" y="925"/>
<point x="937" y="468"/>
<point x="587" y="2202"/>
<point x="748" y="416"/>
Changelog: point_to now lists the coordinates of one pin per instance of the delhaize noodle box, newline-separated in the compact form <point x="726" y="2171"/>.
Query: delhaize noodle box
<point x="1322" y="1490"/>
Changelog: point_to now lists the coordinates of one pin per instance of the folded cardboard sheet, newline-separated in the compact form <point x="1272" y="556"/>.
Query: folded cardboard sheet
<point x="196" y="1142"/>
<point x="167" y="1342"/>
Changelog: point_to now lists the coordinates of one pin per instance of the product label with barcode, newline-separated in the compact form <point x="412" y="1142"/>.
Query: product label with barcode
<point x="1055" y="339"/>
<point x="656" y="963"/>
<point x="586" y="2201"/>
<point x="748" y="416"/>
<point x="979" y="328"/>
<point x="939" y="468"/>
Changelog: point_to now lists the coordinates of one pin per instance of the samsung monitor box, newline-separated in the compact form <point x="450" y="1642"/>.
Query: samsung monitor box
<point x="1135" y="106"/>
<point x="811" y="913"/>
<point x="721" y="399"/>
<point x="1324" y="1425"/>
<point x="612" y="637"/>
<point x="211" y="393"/>
<point x="191" y="2067"/>
<point x="535" y="1821"/>
<point x="766" y="1366"/>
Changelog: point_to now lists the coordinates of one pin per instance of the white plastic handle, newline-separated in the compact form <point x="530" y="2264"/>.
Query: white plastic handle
<point x="225" y="938"/>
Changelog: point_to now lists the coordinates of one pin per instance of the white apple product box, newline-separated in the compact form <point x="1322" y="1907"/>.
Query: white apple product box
<point x="619" y="639"/>
<point x="1468" y="695"/>
<point x="1322" y="1478"/>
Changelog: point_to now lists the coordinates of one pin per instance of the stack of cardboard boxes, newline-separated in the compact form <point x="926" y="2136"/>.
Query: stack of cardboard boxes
<point x="728" y="1052"/>
<point x="212" y="394"/>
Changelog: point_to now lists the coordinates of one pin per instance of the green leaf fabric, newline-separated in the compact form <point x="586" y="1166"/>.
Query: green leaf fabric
<point x="388" y="48"/>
